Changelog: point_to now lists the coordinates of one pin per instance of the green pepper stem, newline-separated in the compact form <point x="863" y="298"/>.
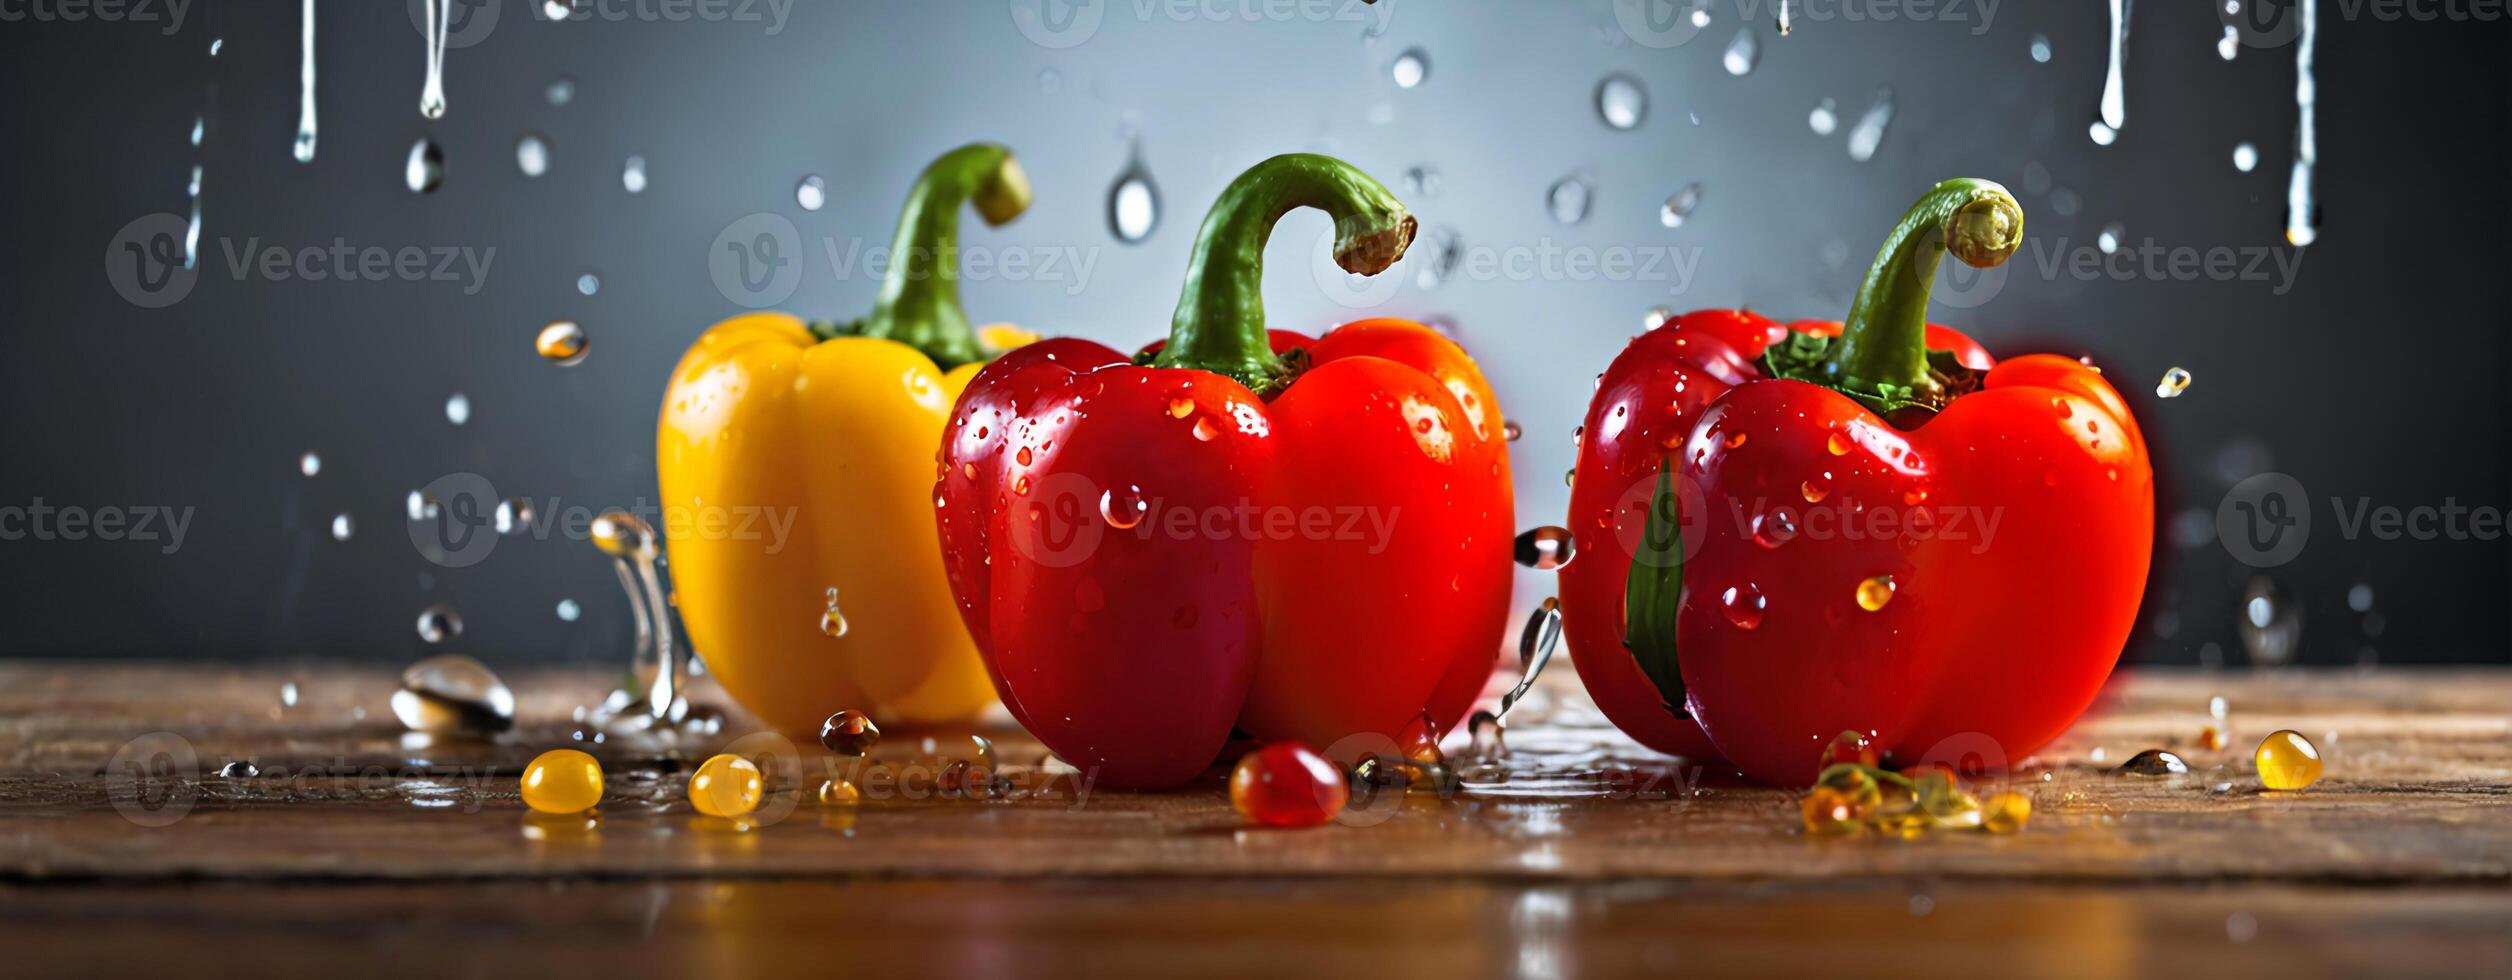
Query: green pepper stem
<point x="919" y="303"/>
<point x="1220" y="322"/>
<point x="1883" y="345"/>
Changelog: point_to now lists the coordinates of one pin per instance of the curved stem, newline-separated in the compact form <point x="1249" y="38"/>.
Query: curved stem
<point x="1883" y="348"/>
<point x="919" y="303"/>
<point x="1220" y="322"/>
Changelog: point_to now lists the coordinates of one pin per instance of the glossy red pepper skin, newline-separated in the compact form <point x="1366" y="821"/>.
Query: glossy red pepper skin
<point x="1095" y="522"/>
<point x="1992" y="638"/>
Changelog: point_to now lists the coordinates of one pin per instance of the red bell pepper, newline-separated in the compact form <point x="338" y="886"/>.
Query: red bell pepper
<point x="1790" y="532"/>
<point x="1300" y="539"/>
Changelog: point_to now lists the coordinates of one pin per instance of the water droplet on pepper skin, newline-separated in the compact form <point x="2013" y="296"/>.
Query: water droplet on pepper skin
<point x="1743" y="605"/>
<point x="1875" y="592"/>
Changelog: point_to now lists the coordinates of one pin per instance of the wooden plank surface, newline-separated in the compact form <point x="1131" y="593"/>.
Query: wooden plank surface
<point x="1590" y="849"/>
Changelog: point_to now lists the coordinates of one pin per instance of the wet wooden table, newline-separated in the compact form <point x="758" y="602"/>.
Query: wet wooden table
<point x="123" y="849"/>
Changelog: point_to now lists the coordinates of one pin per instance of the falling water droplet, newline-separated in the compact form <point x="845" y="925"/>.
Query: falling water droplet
<point x="513" y="516"/>
<point x="1133" y="200"/>
<point x="1875" y="592"/>
<point x="439" y="624"/>
<point x="1410" y="69"/>
<point x="1784" y="25"/>
<point x="2359" y="597"/>
<point x="2113" y="109"/>
<point x="588" y="284"/>
<point x="812" y="193"/>
<point x="451" y="694"/>
<point x="832" y="621"/>
<point x="2229" y="46"/>
<point x="569" y="611"/>
<point x="425" y="171"/>
<point x="310" y="464"/>
<point x="562" y="343"/>
<point x="562" y="90"/>
<point x="2302" y="207"/>
<point x="632" y="176"/>
<point x="2245" y="157"/>
<point x="2040" y="49"/>
<point x="558" y="9"/>
<point x="305" y="88"/>
<point x="1774" y="528"/>
<point x="1868" y="134"/>
<point x="2110" y="238"/>
<point x="216" y="45"/>
<point x="532" y="154"/>
<point x="1569" y="199"/>
<point x="2271" y="623"/>
<point x="420" y="506"/>
<point x="200" y="128"/>
<point x="1536" y="643"/>
<point x="1511" y="430"/>
<point x="1621" y="101"/>
<point x="1679" y="206"/>
<point x="432" y="92"/>
<point x="342" y="527"/>
<point x="458" y="408"/>
<point x="2174" y="382"/>
<point x="1825" y="118"/>
<point x="1742" y="53"/>
<point x="1545" y="548"/>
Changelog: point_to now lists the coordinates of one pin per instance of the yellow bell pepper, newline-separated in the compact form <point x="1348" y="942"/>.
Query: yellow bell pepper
<point x="829" y="431"/>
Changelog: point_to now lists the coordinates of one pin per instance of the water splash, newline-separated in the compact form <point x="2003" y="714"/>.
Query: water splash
<point x="305" y="89"/>
<point x="1536" y="644"/>
<point x="2302" y="219"/>
<point x="2113" y="109"/>
<point x="432" y="92"/>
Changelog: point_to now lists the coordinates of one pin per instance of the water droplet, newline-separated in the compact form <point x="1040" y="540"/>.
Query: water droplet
<point x="1569" y="199"/>
<point x="532" y="154"/>
<point x="2153" y="762"/>
<point x="514" y="515"/>
<point x="1774" y="528"/>
<point x="432" y="92"/>
<point x="832" y="620"/>
<point x="569" y="611"/>
<point x="562" y="343"/>
<point x="1621" y="101"/>
<point x="812" y="193"/>
<point x="2112" y="111"/>
<point x="2102" y="133"/>
<point x="439" y="624"/>
<point x="2230" y="45"/>
<point x="1657" y="316"/>
<point x="1785" y="25"/>
<point x="238" y="770"/>
<point x="310" y="464"/>
<point x="1536" y="643"/>
<point x="632" y="176"/>
<point x="451" y="694"/>
<point x="1545" y="548"/>
<point x="2111" y="237"/>
<point x="1133" y="201"/>
<point x="1680" y="205"/>
<point x="342" y="527"/>
<point x="1813" y="492"/>
<point x="1875" y="592"/>
<point x="217" y="44"/>
<point x="2040" y="49"/>
<point x="1205" y="431"/>
<point x="562" y="90"/>
<point x="1825" y="118"/>
<point x="1743" y="605"/>
<point x="558" y="9"/>
<point x="621" y="534"/>
<point x="420" y="506"/>
<point x="1485" y="731"/>
<point x="1742" y="53"/>
<point x="1837" y="445"/>
<point x="2302" y="207"/>
<point x="200" y="128"/>
<point x="1510" y="430"/>
<point x="458" y="408"/>
<point x="306" y="125"/>
<point x="425" y="171"/>
<point x="2245" y="157"/>
<point x="1410" y="69"/>
<point x="588" y="284"/>
<point x="2174" y="382"/>
<point x="2359" y="597"/>
<point x="1868" y="134"/>
<point x="1123" y="509"/>
<point x="2271" y="625"/>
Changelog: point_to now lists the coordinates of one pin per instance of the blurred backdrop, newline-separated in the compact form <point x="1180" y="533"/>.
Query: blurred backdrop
<point x="1575" y="164"/>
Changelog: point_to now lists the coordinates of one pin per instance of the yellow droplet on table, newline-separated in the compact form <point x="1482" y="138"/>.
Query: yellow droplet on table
<point x="2287" y="760"/>
<point x="726" y="786"/>
<point x="2005" y="813"/>
<point x="562" y="781"/>
<point x="838" y="792"/>
<point x="1828" y="812"/>
<point x="1874" y="592"/>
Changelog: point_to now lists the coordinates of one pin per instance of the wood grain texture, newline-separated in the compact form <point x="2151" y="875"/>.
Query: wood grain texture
<point x="1593" y="850"/>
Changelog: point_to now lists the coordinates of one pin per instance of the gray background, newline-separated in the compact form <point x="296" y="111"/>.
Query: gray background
<point x="2377" y="377"/>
